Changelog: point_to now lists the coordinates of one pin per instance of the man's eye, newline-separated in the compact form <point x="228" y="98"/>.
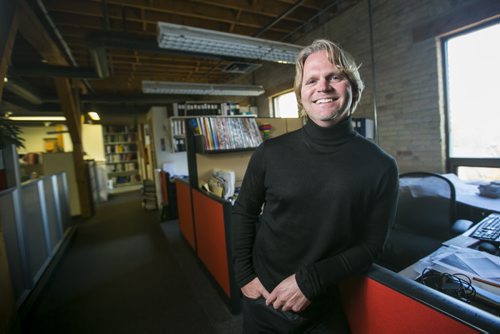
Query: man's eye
<point x="336" y="77"/>
<point x="309" y="82"/>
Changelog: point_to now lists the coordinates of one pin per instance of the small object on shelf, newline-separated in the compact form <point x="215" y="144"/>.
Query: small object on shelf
<point x="266" y="130"/>
<point x="149" y="195"/>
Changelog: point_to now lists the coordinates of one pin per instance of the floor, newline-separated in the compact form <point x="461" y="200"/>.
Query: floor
<point x="127" y="272"/>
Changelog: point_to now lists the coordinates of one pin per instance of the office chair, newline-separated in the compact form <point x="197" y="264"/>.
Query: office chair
<point x="425" y="218"/>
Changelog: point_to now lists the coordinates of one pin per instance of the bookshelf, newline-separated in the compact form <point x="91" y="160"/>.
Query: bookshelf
<point x="120" y="149"/>
<point x="224" y="142"/>
<point x="183" y="110"/>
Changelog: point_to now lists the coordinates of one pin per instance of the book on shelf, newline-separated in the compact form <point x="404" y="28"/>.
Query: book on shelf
<point x="227" y="133"/>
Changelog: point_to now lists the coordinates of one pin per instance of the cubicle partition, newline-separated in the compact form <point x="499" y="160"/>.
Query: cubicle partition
<point x="382" y="301"/>
<point x="34" y="219"/>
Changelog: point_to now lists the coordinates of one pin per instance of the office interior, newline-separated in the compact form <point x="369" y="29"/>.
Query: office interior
<point x="145" y="162"/>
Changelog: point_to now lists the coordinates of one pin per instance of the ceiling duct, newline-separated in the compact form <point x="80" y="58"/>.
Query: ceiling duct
<point x="241" y="68"/>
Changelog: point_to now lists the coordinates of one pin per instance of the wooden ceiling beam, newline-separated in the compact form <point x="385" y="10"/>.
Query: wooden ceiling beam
<point x="178" y="11"/>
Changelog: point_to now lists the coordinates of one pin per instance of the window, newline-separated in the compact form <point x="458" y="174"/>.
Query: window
<point x="285" y="105"/>
<point x="472" y="81"/>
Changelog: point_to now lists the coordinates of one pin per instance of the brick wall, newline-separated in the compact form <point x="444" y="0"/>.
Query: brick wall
<point x="409" y="104"/>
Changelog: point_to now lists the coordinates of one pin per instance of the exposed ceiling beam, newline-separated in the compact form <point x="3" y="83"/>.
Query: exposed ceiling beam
<point x="30" y="70"/>
<point x="24" y="90"/>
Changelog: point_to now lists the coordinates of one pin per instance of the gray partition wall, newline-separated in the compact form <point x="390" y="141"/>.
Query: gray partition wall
<point x="34" y="218"/>
<point x="11" y="224"/>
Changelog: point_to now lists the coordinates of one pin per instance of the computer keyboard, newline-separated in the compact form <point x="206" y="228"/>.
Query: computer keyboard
<point x="488" y="229"/>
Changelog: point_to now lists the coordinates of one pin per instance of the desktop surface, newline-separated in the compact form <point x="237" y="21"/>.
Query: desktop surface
<point x="464" y="267"/>
<point x="469" y="194"/>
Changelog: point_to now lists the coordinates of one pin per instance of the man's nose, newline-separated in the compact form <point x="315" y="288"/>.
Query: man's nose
<point x="324" y="85"/>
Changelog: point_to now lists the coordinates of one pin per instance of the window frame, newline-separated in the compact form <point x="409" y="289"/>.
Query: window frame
<point x="453" y="163"/>
<point x="272" y="103"/>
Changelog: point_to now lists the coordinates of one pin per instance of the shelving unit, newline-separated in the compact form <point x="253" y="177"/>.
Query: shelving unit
<point x="183" y="110"/>
<point x="120" y="147"/>
<point x="234" y="152"/>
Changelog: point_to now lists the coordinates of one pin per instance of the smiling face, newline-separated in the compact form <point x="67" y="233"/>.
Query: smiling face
<point x="326" y="93"/>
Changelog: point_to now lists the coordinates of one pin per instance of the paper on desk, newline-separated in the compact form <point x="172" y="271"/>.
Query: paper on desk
<point x="470" y="262"/>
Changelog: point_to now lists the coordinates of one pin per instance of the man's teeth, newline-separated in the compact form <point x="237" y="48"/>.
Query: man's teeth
<point x="324" y="100"/>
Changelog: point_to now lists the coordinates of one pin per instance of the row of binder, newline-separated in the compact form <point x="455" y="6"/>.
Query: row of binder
<point x="227" y="133"/>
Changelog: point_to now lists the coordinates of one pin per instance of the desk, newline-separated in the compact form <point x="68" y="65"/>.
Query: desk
<point x="456" y="256"/>
<point x="467" y="194"/>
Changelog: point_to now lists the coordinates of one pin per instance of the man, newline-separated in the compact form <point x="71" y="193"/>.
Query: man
<point x="322" y="198"/>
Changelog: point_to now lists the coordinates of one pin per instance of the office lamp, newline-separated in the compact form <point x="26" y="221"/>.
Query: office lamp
<point x="184" y="38"/>
<point x="182" y="88"/>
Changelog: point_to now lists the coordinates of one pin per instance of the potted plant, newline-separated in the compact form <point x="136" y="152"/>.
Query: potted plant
<point x="10" y="133"/>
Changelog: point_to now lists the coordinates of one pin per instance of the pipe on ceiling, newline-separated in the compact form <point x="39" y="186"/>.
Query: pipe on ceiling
<point x="61" y="39"/>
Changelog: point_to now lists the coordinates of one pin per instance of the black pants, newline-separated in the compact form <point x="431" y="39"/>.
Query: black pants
<point x="260" y="318"/>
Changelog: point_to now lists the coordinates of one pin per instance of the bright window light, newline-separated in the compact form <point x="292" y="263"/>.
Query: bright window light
<point x="285" y="105"/>
<point x="182" y="88"/>
<point x="184" y="38"/>
<point x="473" y="69"/>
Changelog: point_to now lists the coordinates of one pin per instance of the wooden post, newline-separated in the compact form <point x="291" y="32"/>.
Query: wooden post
<point x="34" y="32"/>
<point x="8" y="30"/>
<point x="71" y="110"/>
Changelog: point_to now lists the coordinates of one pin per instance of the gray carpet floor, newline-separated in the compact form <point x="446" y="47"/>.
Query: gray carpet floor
<point x="127" y="272"/>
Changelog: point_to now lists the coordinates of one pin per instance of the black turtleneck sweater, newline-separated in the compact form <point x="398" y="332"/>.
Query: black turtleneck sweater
<point x="325" y="198"/>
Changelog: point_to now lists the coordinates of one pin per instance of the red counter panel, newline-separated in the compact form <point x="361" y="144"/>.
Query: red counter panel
<point x="186" y="225"/>
<point x="372" y="307"/>
<point x="211" y="237"/>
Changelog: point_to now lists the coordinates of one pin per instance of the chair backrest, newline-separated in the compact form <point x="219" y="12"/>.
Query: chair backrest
<point x="425" y="213"/>
<point x="427" y="204"/>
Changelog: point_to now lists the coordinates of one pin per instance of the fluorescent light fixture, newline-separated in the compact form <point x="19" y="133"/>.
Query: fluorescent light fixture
<point x="184" y="38"/>
<point x="183" y="88"/>
<point x="94" y="116"/>
<point x="38" y="118"/>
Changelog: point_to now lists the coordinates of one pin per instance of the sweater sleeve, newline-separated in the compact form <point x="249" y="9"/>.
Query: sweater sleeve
<point x="245" y="214"/>
<point x="316" y="278"/>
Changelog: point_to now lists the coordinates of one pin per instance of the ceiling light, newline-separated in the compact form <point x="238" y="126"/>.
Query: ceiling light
<point x="164" y="87"/>
<point x="5" y="79"/>
<point x="94" y="116"/>
<point x="38" y="118"/>
<point x="184" y="38"/>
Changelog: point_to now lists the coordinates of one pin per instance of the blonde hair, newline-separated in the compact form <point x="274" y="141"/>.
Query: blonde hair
<point x="336" y="55"/>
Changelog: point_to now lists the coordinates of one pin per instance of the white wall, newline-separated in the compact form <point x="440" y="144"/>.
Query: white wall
<point x="91" y="137"/>
<point x="176" y="161"/>
<point x="93" y="141"/>
<point x="34" y="138"/>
